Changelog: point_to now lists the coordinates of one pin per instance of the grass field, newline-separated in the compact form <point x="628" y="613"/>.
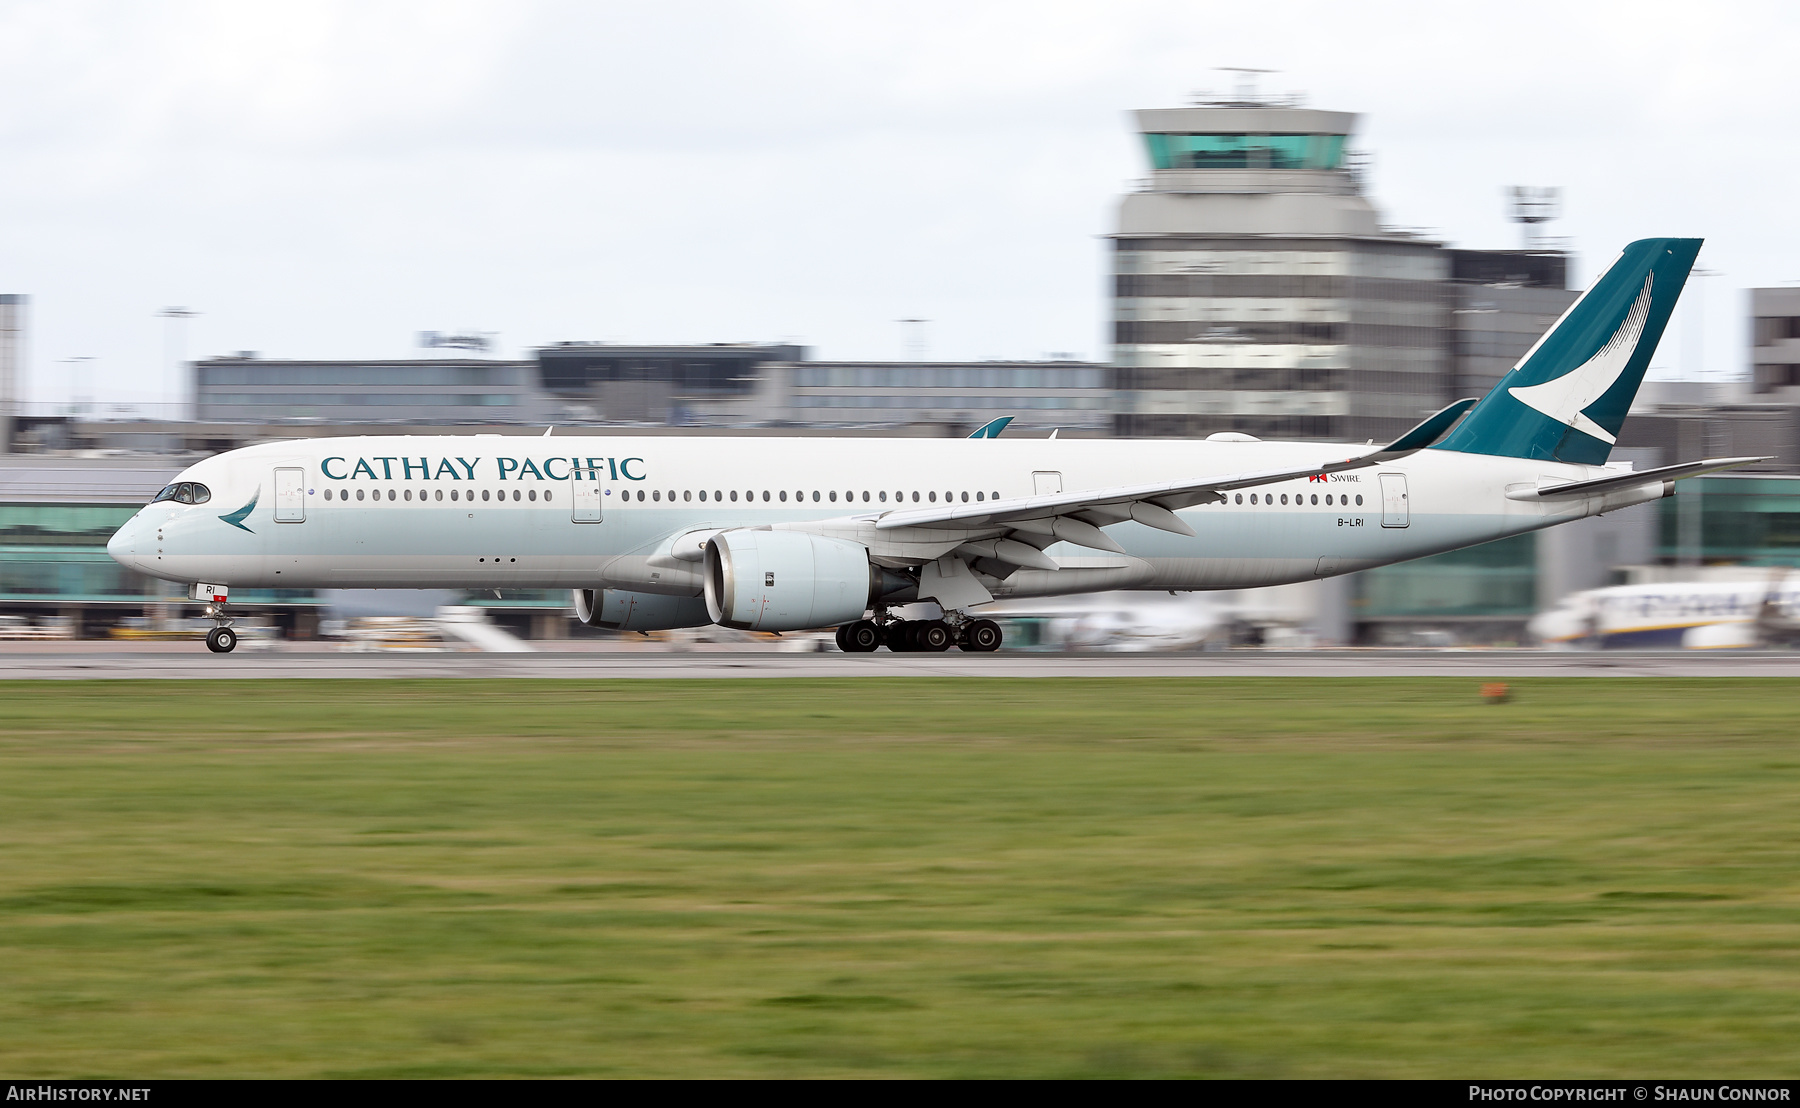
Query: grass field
<point x="909" y="877"/>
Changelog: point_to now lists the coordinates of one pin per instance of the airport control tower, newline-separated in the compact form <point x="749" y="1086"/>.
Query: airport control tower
<point x="1256" y="289"/>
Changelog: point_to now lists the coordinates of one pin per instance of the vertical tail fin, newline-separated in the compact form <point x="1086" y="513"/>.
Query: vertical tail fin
<point x="1567" y="398"/>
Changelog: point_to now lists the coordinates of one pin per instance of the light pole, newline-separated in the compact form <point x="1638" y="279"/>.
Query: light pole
<point x="174" y="350"/>
<point x="75" y="367"/>
<point x="1695" y="344"/>
<point x="913" y="333"/>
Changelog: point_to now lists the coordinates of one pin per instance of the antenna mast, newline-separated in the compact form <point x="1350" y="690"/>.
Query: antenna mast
<point x="1529" y="206"/>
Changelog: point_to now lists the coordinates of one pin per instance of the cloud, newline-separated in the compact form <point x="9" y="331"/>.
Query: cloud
<point x="326" y="179"/>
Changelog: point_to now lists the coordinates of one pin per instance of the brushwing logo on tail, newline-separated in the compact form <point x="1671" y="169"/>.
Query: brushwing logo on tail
<point x="1564" y="398"/>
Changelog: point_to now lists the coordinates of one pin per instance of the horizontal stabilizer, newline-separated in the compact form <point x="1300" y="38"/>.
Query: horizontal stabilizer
<point x="1576" y="490"/>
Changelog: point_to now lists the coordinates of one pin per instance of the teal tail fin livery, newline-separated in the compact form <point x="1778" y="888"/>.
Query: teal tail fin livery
<point x="1567" y="398"/>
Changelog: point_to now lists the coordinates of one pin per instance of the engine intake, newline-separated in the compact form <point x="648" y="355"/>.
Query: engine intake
<point x="788" y="580"/>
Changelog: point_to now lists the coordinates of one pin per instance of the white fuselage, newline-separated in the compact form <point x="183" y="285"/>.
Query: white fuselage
<point x="501" y="512"/>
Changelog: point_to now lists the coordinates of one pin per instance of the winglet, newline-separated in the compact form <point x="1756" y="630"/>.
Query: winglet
<point x="992" y="428"/>
<point x="1429" y="431"/>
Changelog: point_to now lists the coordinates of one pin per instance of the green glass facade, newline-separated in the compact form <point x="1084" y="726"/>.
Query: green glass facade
<point x="1743" y="520"/>
<point x="56" y="554"/>
<point x="1494" y="580"/>
<point x="1246" y="151"/>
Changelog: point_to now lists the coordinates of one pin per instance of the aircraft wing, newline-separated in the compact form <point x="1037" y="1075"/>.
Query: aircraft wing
<point x="1078" y="516"/>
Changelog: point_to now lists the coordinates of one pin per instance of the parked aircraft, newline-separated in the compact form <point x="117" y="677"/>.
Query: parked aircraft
<point x="774" y="534"/>
<point x="1695" y="615"/>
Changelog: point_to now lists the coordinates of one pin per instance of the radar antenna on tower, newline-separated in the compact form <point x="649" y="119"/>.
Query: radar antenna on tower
<point x="1245" y="94"/>
<point x="1528" y="206"/>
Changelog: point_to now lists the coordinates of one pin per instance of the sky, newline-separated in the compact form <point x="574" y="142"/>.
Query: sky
<point x="326" y="180"/>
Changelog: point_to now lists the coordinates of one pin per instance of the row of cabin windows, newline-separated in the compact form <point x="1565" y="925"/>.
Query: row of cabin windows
<point x="407" y="494"/>
<point x="767" y="496"/>
<point x="781" y="496"/>
<point x="1300" y="498"/>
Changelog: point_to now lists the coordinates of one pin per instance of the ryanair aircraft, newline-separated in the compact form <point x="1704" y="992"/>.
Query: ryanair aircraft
<point x="787" y="534"/>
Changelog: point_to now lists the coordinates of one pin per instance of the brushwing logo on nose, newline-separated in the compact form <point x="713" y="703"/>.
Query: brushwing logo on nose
<point x="1563" y="398"/>
<point x="237" y="518"/>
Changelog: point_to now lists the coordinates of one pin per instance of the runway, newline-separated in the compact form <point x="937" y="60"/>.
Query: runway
<point x="191" y="661"/>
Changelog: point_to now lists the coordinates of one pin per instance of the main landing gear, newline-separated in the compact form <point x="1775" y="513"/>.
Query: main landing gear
<point x="901" y="636"/>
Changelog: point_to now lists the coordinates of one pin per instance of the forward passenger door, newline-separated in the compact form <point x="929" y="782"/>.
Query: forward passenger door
<point x="290" y="495"/>
<point x="584" y="495"/>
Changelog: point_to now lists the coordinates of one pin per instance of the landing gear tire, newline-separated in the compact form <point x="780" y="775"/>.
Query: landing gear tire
<point x="839" y="636"/>
<point x="861" y="637"/>
<point x="934" y="635"/>
<point x="898" y="636"/>
<point x="221" y="640"/>
<point x="981" y="637"/>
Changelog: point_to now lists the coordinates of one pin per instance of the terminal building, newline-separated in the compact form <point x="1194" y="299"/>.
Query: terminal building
<point x="725" y="385"/>
<point x="246" y="388"/>
<point x="1775" y="343"/>
<point x="746" y="385"/>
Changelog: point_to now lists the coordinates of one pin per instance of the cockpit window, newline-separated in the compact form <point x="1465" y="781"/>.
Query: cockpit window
<point x="184" y="492"/>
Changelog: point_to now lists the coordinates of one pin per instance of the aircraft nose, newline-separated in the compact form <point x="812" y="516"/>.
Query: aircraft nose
<point x="124" y="543"/>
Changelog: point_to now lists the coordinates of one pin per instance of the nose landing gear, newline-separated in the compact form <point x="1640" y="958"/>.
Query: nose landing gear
<point x="221" y="639"/>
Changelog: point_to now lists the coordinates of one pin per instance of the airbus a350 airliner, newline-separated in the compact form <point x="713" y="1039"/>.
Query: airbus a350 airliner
<point x="774" y="534"/>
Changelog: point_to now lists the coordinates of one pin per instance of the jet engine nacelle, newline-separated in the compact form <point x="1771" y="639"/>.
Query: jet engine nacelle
<point x="617" y="610"/>
<point x="787" y="580"/>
